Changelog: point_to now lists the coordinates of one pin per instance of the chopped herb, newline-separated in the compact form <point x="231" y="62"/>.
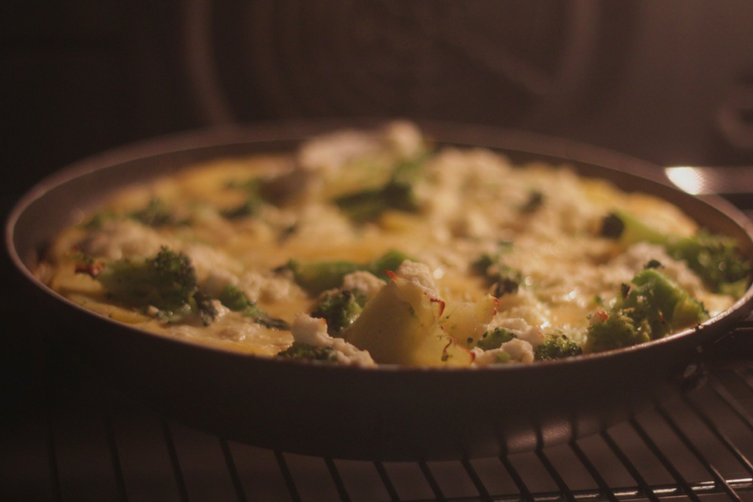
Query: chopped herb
<point x="612" y="226"/>
<point x="653" y="264"/>
<point x="624" y="290"/>
<point x="207" y="310"/>
<point x="534" y="202"/>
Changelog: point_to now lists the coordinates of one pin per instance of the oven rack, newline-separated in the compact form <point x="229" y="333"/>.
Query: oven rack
<point x="83" y="442"/>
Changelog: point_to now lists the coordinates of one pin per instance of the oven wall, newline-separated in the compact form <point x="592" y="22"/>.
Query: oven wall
<point x="668" y="81"/>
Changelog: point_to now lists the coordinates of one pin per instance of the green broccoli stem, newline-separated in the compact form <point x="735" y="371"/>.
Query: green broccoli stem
<point x="317" y="276"/>
<point x="236" y="300"/>
<point x="397" y="193"/>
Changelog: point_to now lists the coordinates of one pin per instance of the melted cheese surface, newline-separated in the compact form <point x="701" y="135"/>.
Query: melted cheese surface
<point x="467" y="203"/>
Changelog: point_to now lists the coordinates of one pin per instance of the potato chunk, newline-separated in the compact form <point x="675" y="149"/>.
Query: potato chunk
<point x="400" y="325"/>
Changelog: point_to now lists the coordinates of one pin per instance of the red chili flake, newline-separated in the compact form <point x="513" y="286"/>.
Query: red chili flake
<point x="445" y="355"/>
<point x="390" y="274"/>
<point x="601" y="315"/>
<point x="440" y="302"/>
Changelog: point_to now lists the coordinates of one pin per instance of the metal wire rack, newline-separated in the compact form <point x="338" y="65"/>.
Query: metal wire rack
<point x="86" y="443"/>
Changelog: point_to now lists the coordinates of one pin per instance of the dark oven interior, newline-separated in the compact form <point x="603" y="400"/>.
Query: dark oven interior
<point x="670" y="82"/>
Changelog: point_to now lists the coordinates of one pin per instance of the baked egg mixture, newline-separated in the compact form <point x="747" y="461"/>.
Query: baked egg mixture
<point x="377" y="247"/>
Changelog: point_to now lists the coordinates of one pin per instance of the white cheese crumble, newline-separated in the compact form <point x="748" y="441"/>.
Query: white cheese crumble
<point x="364" y="283"/>
<point x="513" y="351"/>
<point x="124" y="239"/>
<point x="321" y="223"/>
<point x="217" y="281"/>
<point x="522" y="305"/>
<point x="638" y="255"/>
<point x="268" y="288"/>
<point x="405" y="138"/>
<point x="207" y="259"/>
<point x="419" y="274"/>
<point x="328" y="153"/>
<point x="220" y="310"/>
<point x="313" y="331"/>
<point x="520" y="328"/>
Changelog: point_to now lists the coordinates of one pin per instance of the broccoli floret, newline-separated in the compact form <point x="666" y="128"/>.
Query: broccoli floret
<point x="508" y="281"/>
<point x="397" y="193"/>
<point x="502" y="278"/>
<point x="556" y="347"/>
<point x="339" y="308"/>
<point x="717" y="260"/>
<point x="657" y="300"/>
<point x="652" y="307"/>
<point x="614" y="331"/>
<point x="258" y="191"/>
<point x="612" y="226"/>
<point x="493" y="339"/>
<point x="236" y="300"/>
<point x="305" y="351"/>
<point x="318" y="276"/>
<point x="167" y="282"/>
